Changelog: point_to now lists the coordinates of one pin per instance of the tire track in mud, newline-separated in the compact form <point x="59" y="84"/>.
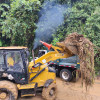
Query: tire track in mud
<point x="72" y="91"/>
<point x="76" y="95"/>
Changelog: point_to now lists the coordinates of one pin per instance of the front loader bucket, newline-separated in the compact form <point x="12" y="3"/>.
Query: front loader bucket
<point x="67" y="46"/>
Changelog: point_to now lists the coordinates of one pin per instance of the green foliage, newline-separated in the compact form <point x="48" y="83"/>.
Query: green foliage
<point x="68" y="2"/>
<point x="3" y="11"/>
<point x="5" y="1"/>
<point x="93" y="27"/>
<point x="84" y="18"/>
<point x="19" y="25"/>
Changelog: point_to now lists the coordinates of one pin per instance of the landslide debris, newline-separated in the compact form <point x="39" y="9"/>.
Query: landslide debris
<point x="84" y="48"/>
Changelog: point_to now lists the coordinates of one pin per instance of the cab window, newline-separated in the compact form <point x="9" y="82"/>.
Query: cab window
<point x="14" y="61"/>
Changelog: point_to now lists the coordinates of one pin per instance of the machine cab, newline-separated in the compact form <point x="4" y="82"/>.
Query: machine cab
<point x="14" y="63"/>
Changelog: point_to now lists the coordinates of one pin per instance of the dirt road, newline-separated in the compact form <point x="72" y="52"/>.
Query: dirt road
<point x="73" y="91"/>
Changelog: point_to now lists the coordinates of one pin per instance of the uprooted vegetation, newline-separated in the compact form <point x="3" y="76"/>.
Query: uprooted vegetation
<point x="81" y="46"/>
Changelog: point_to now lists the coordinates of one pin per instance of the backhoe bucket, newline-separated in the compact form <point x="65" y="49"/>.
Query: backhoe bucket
<point x="67" y="46"/>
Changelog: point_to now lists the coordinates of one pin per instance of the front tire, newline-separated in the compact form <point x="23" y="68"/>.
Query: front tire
<point x="8" y="91"/>
<point x="49" y="93"/>
<point x="66" y="75"/>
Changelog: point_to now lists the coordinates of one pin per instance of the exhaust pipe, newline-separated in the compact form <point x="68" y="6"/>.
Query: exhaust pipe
<point x="33" y="56"/>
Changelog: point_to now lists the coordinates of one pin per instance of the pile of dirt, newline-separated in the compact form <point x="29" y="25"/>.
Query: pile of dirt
<point x="81" y="46"/>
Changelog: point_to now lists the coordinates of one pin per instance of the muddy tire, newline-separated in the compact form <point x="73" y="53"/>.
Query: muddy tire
<point x="76" y="75"/>
<point x="49" y="93"/>
<point x="66" y="75"/>
<point x="8" y="91"/>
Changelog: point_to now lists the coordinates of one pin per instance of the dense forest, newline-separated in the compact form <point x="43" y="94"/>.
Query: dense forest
<point x="25" y="22"/>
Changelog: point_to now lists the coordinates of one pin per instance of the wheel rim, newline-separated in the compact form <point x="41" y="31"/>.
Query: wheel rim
<point x="65" y="75"/>
<point x="52" y="92"/>
<point x="5" y="94"/>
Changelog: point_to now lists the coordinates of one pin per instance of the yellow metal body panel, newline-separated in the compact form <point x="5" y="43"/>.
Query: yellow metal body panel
<point x="27" y="95"/>
<point x="43" y="77"/>
<point x="40" y="79"/>
<point x="27" y="86"/>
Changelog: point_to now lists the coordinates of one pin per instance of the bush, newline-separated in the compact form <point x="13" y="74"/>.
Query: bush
<point x="20" y="22"/>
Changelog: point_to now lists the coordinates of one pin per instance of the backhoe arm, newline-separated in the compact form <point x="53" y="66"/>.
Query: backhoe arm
<point x="58" y="53"/>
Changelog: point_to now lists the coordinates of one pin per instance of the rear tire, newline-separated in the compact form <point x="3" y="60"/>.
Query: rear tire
<point x="66" y="75"/>
<point x="49" y="93"/>
<point x="8" y="91"/>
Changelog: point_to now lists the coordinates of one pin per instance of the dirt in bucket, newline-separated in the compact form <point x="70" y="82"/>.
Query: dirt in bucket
<point x="83" y="47"/>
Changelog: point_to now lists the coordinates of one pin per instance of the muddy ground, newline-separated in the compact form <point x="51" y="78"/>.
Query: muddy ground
<point x="72" y="91"/>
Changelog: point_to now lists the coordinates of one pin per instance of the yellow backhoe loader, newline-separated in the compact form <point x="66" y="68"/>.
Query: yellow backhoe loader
<point x="18" y="76"/>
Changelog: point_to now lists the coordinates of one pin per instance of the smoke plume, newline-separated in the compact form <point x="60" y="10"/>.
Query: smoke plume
<point x="52" y="15"/>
